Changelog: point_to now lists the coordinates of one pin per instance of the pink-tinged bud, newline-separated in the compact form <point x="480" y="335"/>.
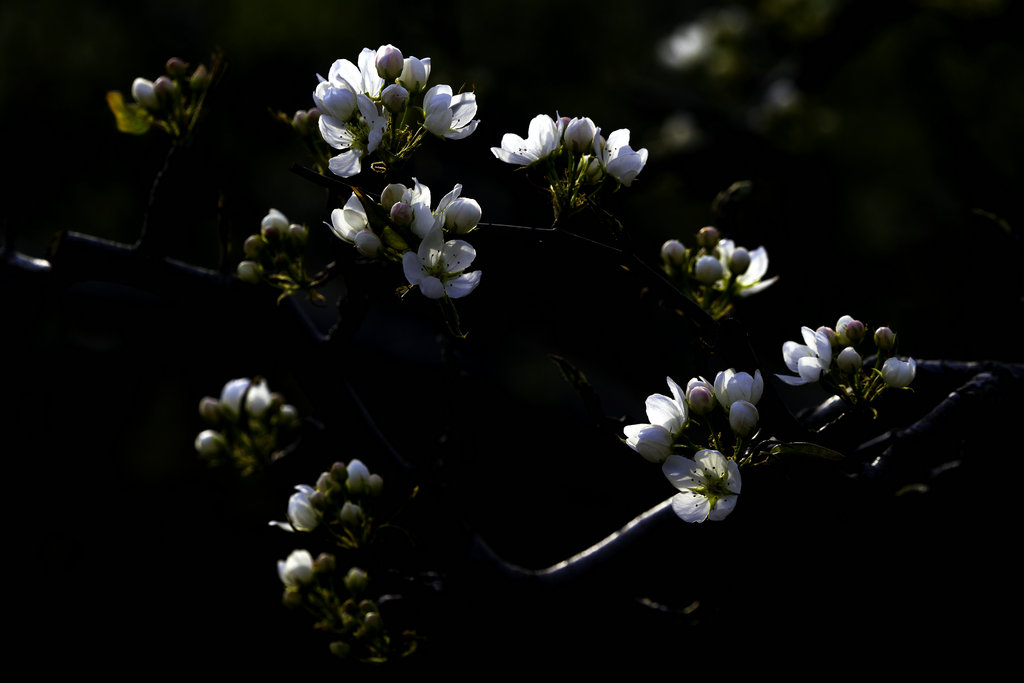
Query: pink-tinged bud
<point x="739" y="261"/>
<point x="402" y="214"/>
<point x="849" y="330"/>
<point x="165" y="89"/>
<point x="200" y="79"/>
<point x="389" y="62"/>
<point x="673" y="253"/>
<point x="700" y="398"/>
<point x="176" y="67"/>
<point x="708" y="237"/>
<point x="830" y="334"/>
<point x="708" y="270"/>
<point x="395" y="97"/>
<point x="300" y="122"/>
<point x="849" y="360"/>
<point x="885" y="339"/>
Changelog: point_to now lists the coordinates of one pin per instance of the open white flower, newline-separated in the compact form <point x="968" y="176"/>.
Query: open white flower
<point x="350" y="224"/>
<point x="617" y="158"/>
<point x="297" y="570"/>
<point x="438" y="267"/>
<point x="808" y="360"/>
<point x="898" y="373"/>
<point x="356" y="138"/>
<point x="447" y="115"/>
<point x="751" y="280"/>
<point x="302" y="516"/>
<point x="543" y="138"/>
<point x="668" y="416"/>
<point x="709" y="485"/>
<point x="732" y="386"/>
<point x="359" y="79"/>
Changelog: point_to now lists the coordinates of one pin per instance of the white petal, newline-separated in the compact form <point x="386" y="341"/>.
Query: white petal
<point x="723" y="506"/>
<point x="346" y="164"/>
<point x="431" y="287"/>
<point x="457" y="255"/>
<point x="462" y="285"/>
<point x="680" y="471"/>
<point x="412" y="268"/>
<point x="691" y="507"/>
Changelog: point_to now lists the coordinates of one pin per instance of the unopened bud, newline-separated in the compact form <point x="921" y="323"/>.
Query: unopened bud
<point x="739" y="261"/>
<point x="209" y="409"/>
<point x="402" y="214"/>
<point x="395" y="97"/>
<point x="708" y="237"/>
<point x="351" y="515"/>
<point x="176" y="67"/>
<point x="885" y="339"/>
<point x="325" y="563"/>
<point x="356" y="580"/>
<point x="462" y="215"/>
<point x="392" y="194"/>
<point x="849" y="360"/>
<point x="700" y="399"/>
<point x="375" y="485"/>
<point x="389" y="62"/>
<point x="250" y="272"/>
<point x="708" y="270"/>
<point x="849" y="330"/>
<point x="340" y="649"/>
<point x="367" y="243"/>
<point x="254" y="246"/>
<point x="298" y="234"/>
<point x="210" y="443"/>
<point x="144" y="94"/>
<point x="830" y="334"/>
<point x="165" y="89"/>
<point x="300" y="122"/>
<point x="673" y="253"/>
<point x="743" y="417"/>
<point x="200" y="79"/>
<point x="339" y="472"/>
<point x="415" y="73"/>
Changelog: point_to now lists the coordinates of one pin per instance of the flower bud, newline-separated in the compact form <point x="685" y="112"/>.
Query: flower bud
<point x="356" y="580"/>
<point x="296" y="570"/>
<point x="885" y="339"/>
<point x="200" y="79"/>
<point x="351" y="515"/>
<point x="340" y="649"/>
<point x="356" y="483"/>
<point x="391" y="195"/>
<point x="298" y="234"/>
<point x="849" y="330"/>
<point x="739" y="261"/>
<point x="254" y="246"/>
<point x="395" y="97"/>
<point x="144" y="94"/>
<point x="579" y="135"/>
<point x="210" y="443"/>
<point x="830" y="334"/>
<point x="849" y="360"/>
<point x="165" y="89"/>
<point x="250" y="272"/>
<point x="325" y="563"/>
<point x="176" y="67"/>
<point x="288" y="415"/>
<point x="302" y="513"/>
<point x="339" y="472"/>
<point x="708" y="237"/>
<point x="257" y="399"/>
<point x="708" y="269"/>
<point x="232" y="394"/>
<point x="402" y="214"/>
<point x="373" y="622"/>
<point x="273" y="225"/>
<point x="367" y="243"/>
<point x="415" y="73"/>
<point x="898" y="373"/>
<point x="743" y="417"/>
<point x="462" y="215"/>
<point x="673" y="253"/>
<point x="375" y="485"/>
<point x="209" y="409"/>
<point x="389" y="62"/>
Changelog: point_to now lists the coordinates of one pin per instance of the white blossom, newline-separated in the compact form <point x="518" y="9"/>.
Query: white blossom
<point x="302" y="516"/>
<point x="751" y="281"/>
<point x="709" y="485"/>
<point x="899" y="373"/>
<point x="667" y="417"/>
<point x="543" y="138"/>
<point x="808" y="360"/>
<point x="732" y="386"/>
<point x="297" y="570"/>
<point x="617" y="158"/>
<point x="350" y="224"/>
<point x="355" y="139"/>
<point x="447" y="115"/>
<point x="438" y="267"/>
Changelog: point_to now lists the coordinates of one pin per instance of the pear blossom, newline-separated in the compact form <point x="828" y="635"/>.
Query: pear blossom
<point x="849" y="360"/>
<point x="849" y="330"/>
<point x="362" y="79"/>
<point x="144" y="93"/>
<point x="356" y="139"/>
<point x="350" y="224"/>
<point x="743" y="417"/>
<point x="297" y="570"/>
<point x="898" y="373"/>
<point x="233" y="393"/>
<point x="415" y="73"/>
<point x="750" y="281"/>
<point x="732" y="386"/>
<point x="543" y="138"/>
<point x="258" y="398"/>
<point x="709" y="485"/>
<point x="668" y="417"/>
<point x="700" y="395"/>
<point x="708" y="270"/>
<point x="808" y="360"/>
<point x="579" y="134"/>
<point x="447" y="115"/>
<point x="438" y="267"/>
<point x="462" y="214"/>
<point x="302" y="515"/>
<point x="617" y="158"/>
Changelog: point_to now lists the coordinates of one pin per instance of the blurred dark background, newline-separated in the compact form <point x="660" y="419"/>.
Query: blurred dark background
<point x="882" y="143"/>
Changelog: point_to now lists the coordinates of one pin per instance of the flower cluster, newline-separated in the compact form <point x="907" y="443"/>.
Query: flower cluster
<point x="171" y="103"/>
<point x="274" y="256"/>
<point x="352" y="621"/>
<point x="834" y="358"/>
<point x="715" y="272"/>
<point x="701" y="420"/>
<point x="339" y="504"/>
<point x="382" y="108"/>
<point x="249" y="426"/>
<point x="575" y="159"/>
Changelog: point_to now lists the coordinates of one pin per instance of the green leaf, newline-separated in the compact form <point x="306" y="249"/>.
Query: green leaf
<point x="131" y="118"/>
<point x="393" y="240"/>
<point x="807" y="448"/>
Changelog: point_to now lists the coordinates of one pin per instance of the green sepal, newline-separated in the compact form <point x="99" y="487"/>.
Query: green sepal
<point x="131" y="118"/>
<point x="391" y="239"/>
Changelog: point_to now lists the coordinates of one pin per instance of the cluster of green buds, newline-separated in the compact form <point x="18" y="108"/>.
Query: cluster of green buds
<point x="274" y="256"/>
<point x="716" y="272"/>
<point x="848" y="361"/>
<point x="340" y="608"/>
<point x="171" y="103"/>
<point x="339" y="505"/>
<point x="250" y="426"/>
